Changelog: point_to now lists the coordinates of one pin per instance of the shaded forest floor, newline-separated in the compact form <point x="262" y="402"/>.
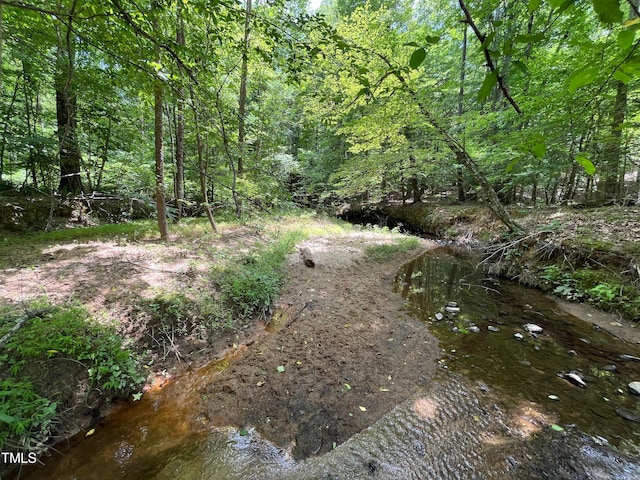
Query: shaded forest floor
<point x="335" y="344"/>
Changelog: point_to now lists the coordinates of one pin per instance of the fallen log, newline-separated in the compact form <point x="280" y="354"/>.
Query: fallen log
<point x="307" y="257"/>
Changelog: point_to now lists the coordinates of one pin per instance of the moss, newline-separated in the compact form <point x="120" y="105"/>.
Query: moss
<point x="594" y="244"/>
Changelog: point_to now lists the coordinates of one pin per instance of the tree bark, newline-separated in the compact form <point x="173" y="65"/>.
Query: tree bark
<point x="609" y="187"/>
<point x="180" y="122"/>
<point x="242" y="97"/>
<point x="463" y="63"/>
<point x="66" y="113"/>
<point x="161" y="205"/>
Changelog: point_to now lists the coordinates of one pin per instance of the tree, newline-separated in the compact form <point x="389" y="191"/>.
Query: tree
<point x="66" y="108"/>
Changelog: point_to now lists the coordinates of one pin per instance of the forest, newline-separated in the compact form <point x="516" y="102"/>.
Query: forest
<point x="205" y="105"/>
<point x="163" y="162"/>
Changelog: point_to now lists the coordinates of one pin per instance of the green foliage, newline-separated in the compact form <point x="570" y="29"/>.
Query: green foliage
<point x="251" y="285"/>
<point x="599" y="287"/>
<point x="26" y="419"/>
<point x="187" y="312"/>
<point x="69" y="332"/>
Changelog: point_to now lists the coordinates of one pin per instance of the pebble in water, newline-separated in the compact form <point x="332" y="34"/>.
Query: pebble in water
<point x="573" y="378"/>
<point x="519" y="336"/>
<point x="492" y="328"/>
<point x="533" y="328"/>
<point x="438" y="316"/>
<point x="634" y="387"/>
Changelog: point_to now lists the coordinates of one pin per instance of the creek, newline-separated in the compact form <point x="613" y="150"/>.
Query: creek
<point x="461" y="425"/>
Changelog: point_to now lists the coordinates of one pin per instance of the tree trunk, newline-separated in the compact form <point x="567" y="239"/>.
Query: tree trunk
<point x="611" y="176"/>
<point x="242" y="97"/>
<point x="180" y="122"/>
<point x="203" y="165"/>
<point x="104" y="156"/>
<point x="66" y="114"/>
<point x="463" y="64"/>
<point x="158" y="150"/>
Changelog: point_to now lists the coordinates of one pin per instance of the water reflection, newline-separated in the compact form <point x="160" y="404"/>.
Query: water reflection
<point x="526" y="369"/>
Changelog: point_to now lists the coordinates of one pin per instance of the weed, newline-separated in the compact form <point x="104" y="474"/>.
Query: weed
<point x="250" y="285"/>
<point x="69" y="332"/>
<point x="26" y="419"/>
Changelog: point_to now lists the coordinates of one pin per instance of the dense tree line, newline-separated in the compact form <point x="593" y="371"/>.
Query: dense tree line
<point x="252" y="104"/>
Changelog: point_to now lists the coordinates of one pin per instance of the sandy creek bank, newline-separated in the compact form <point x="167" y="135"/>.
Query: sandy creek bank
<point x="341" y="384"/>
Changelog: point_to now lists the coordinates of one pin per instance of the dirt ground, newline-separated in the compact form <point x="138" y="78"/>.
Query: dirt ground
<point x="344" y="354"/>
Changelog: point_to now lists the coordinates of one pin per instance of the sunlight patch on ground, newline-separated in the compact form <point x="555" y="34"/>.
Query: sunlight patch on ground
<point x="425" y="407"/>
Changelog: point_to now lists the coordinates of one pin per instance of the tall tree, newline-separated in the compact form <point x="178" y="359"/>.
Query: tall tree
<point x="158" y="135"/>
<point x="180" y="120"/>
<point x="242" y="97"/>
<point x="66" y="107"/>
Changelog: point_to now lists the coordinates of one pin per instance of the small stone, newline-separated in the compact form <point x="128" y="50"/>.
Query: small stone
<point x="454" y="329"/>
<point x="492" y="328"/>
<point x="634" y="387"/>
<point x="438" y="316"/>
<point x="574" y="378"/>
<point x="533" y="328"/>
<point x="519" y="336"/>
<point x="452" y="309"/>
<point x="474" y="329"/>
<point x="629" y="358"/>
<point x="610" y="368"/>
<point x="452" y="304"/>
<point x="553" y="397"/>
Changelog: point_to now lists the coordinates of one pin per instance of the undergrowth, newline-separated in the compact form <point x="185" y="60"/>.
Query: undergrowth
<point x="601" y="288"/>
<point x="250" y="285"/>
<point x="44" y="333"/>
<point x="385" y="251"/>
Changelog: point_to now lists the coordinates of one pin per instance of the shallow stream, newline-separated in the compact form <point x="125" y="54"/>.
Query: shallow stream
<point x="485" y="338"/>
<point x="459" y="426"/>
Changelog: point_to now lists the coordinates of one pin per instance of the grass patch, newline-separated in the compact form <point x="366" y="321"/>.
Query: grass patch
<point x="250" y="285"/>
<point x="383" y="252"/>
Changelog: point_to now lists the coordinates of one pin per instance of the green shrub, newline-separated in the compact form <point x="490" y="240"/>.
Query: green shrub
<point x="69" y="331"/>
<point x="251" y="285"/>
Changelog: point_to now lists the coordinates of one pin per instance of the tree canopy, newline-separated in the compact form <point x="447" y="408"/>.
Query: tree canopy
<point x="250" y="105"/>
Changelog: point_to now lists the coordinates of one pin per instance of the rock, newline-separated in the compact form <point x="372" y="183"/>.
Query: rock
<point x="455" y="330"/>
<point x="573" y="378"/>
<point x="438" y="316"/>
<point x="519" y="336"/>
<point x="452" y="309"/>
<point x="452" y="304"/>
<point x="491" y="328"/>
<point x="553" y="397"/>
<point x="533" y="328"/>
<point x="627" y="415"/>
<point x="629" y="358"/>
<point x="610" y="368"/>
<point x="474" y="329"/>
<point x="634" y="387"/>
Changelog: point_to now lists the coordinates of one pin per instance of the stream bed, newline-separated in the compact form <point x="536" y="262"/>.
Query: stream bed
<point x="485" y="413"/>
<point x="484" y="333"/>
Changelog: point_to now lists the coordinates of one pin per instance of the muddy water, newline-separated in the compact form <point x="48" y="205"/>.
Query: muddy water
<point x="527" y="369"/>
<point x="485" y="415"/>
